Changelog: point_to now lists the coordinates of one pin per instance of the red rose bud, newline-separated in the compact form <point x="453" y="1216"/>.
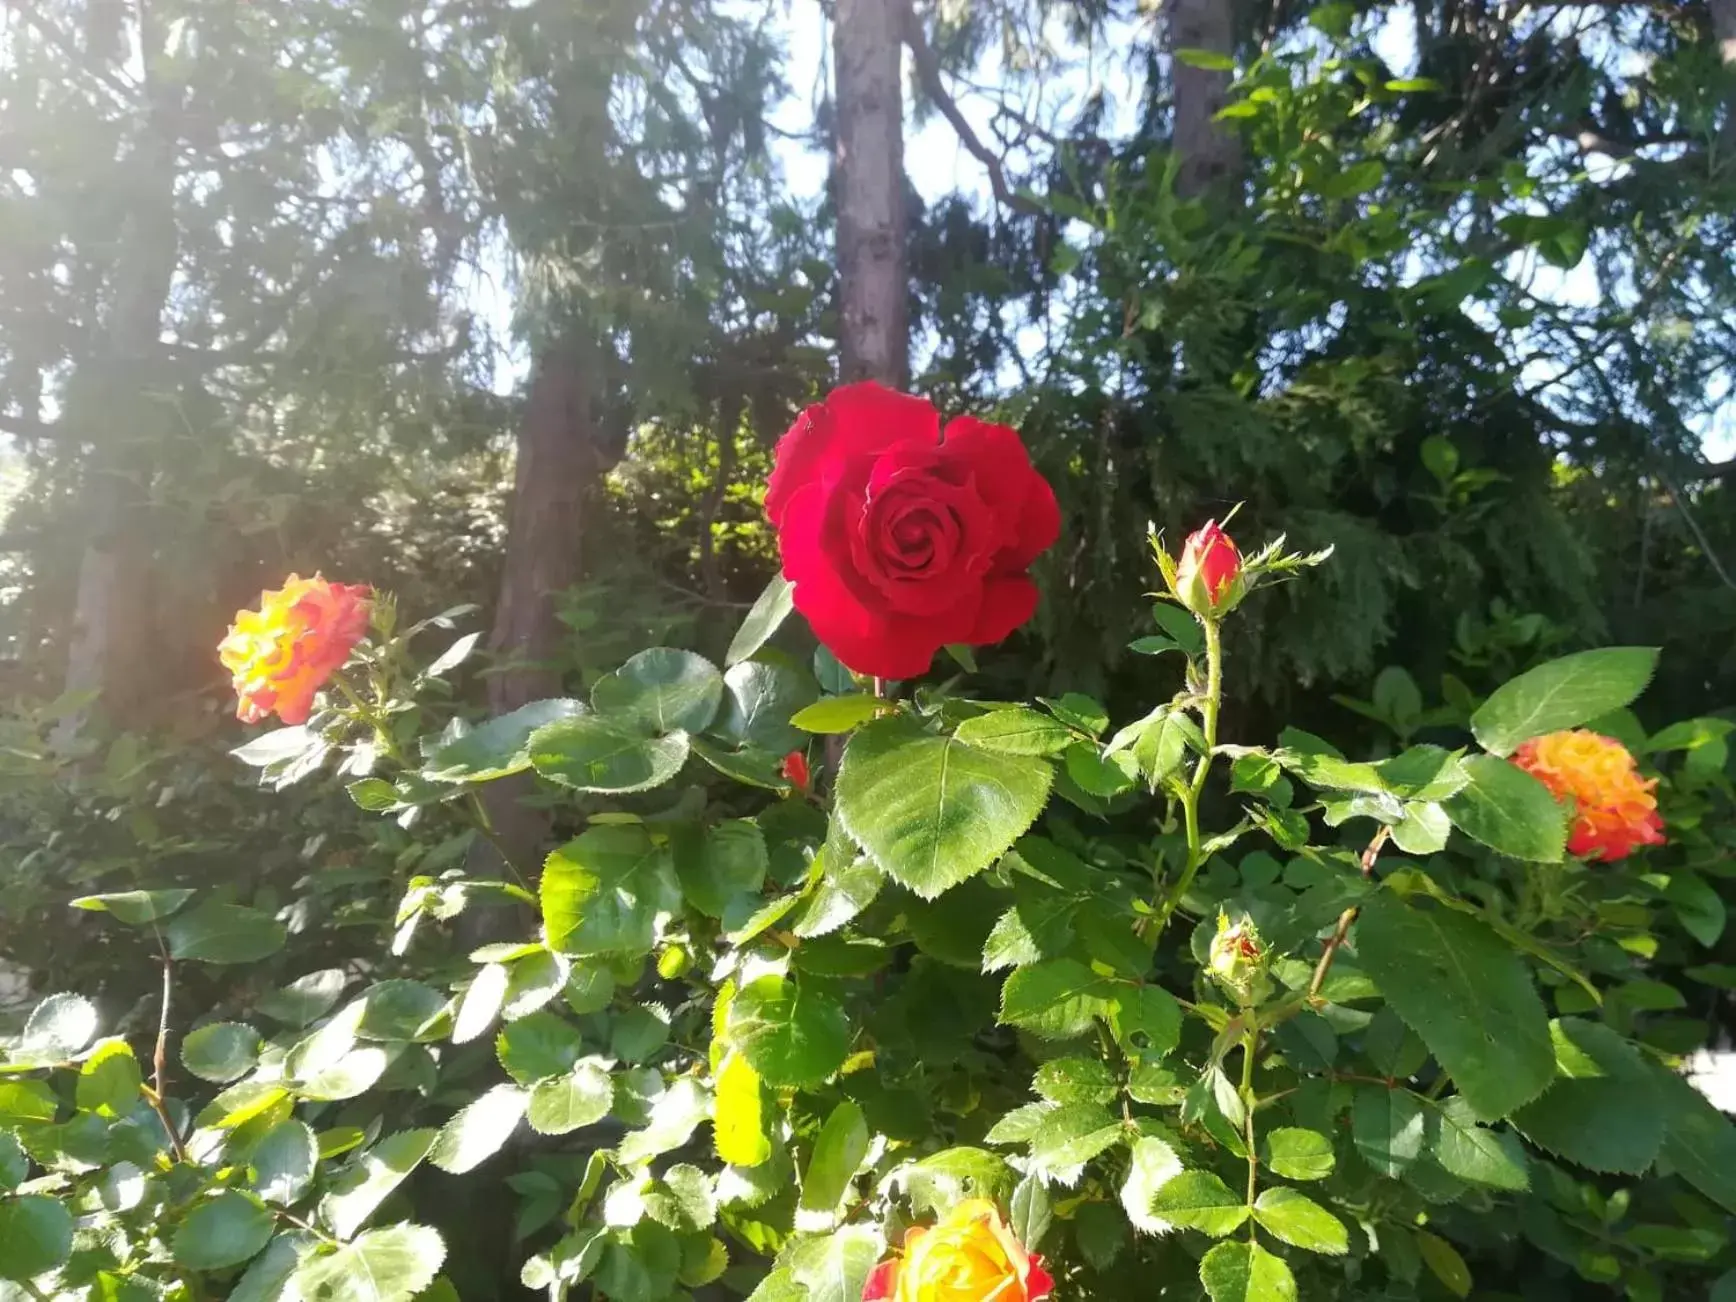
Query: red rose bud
<point x="1208" y="576"/>
<point x="796" y="772"/>
<point x="901" y="537"/>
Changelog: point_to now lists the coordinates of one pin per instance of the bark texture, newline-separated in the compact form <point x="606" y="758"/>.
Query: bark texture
<point x="873" y="303"/>
<point x="1208" y="150"/>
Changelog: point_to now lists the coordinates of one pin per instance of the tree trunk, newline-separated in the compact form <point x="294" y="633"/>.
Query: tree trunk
<point x="558" y="461"/>
<point x="1724" y="32"/>
<point x="873" y="299"/>
<point x="1208" y="150"/>
<point x="106" y="648"/>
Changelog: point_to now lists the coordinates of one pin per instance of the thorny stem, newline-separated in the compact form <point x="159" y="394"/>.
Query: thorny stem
<point x="1190" y="798"/>
<point x="1346" y="918"/>
<point x="154" y="1095"/>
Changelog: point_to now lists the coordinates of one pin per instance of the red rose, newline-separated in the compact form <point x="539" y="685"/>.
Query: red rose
<point x="900" y="539"/>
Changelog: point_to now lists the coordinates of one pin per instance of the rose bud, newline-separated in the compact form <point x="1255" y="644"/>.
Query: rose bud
<point x="1208" y="578"/>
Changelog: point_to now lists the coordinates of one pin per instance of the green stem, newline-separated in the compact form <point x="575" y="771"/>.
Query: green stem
<point x="1250" y="1048"/>
<point x="1190" y="796"/>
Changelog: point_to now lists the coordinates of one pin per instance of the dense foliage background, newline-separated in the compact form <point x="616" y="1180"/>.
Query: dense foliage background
<point x="298" y="284"/>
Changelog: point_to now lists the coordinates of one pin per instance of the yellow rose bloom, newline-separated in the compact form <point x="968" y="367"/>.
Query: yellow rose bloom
<point x="969" y="1256"/>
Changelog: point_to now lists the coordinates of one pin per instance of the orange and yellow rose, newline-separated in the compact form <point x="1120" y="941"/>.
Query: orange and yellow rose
<point x="969" y="1256"/>
<point x="1613" y="808"/>
<point x="282" y="653"/>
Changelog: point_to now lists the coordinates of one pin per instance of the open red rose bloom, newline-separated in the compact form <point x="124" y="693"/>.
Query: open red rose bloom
<point x="901" y="539"/>
<point x="1614" y="810"/>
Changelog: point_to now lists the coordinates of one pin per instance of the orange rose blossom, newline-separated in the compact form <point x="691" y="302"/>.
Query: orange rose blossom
<point x="282" y="653"/>
<point x="969" y="1256"/>
<point x="1614" y="811"/>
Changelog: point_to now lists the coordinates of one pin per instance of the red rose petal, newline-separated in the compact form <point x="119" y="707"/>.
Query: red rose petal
<point x="882" y="1281"/>
<point x="855" y="420"/>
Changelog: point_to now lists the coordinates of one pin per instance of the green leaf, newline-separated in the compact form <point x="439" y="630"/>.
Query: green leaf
<point x="1352" y="179"/>
<point x="839" y="1149"/>
<point x="718" y="866"/>
<point x="739" y="1117"/>
<point x="26" y="1100"/>
<point x="789" y="1032"/>
<point x="305" y="999"/>
<point x="1071" y="1134"/>
<point x="1699" y="1141"/>
<point x="1473" y="1152"/>
<point x="224" y="933"/>
<point x="1465" y="992"/>
<point x="933" y="811"/>
<point x="1423" y="830"/>
<point x="1018" y="730"/>
<point x="1604" y="1110"/>
<point x="562" y="1104"/>
<point x="358" y="1190"/>
<point x="1030" y="1212"/>
<point x="1508" y="810"/>
<point x="1387" y="1127"/>
<point x="221" y="1051"/>
<point x="223" y="1231"/>
<point x="135" y="907"/>
<point x="1562" y="694"/>
<point x="284" y="1162"/>
<point x="1246" y="1272"/>
<point x="770" y="609"/>
<point x="602" y="891"/>
<point x="480" y="1130"/>
<point x="480" y="1003"/>
<point x="1057" y="999"/>
<point x="537" y="1047"/>
<point x="1198" y="1200"/>
<point x="1299" y="1154"/>
<point x="1210" y="60"/>
<point x="266" y="1277"/>
<point x="1154" y="1164"/>
<point x="837" y="714"/>
<point x="594" y="754"/>
<point x="1147" y="1021"/>
<point x="35" y="1236"/>
<point x="499" y="747"/>
<point x="939" y="1182"/>
<point x="1445" y="1262"/>
<point x="398" y="1010"/>
<point x="109" y="1080"/>
<point x="1301" y="1222"/>
<point x="663" y="690"/>
<point x="389" y="1265"/>
<point x="683" y="1200"/>
<point x="674" y="1116"/>
<point x="760" y="699"/>
<point x="533" y="981"/>
<point x="57" y="1028"/>
<point x="835" y="1266"/>
<point x="14" y="1165"/>
<point x="1698" y="907"/>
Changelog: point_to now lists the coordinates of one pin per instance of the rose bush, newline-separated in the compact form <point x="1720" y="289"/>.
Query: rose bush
<point x="1011" y="1003"/>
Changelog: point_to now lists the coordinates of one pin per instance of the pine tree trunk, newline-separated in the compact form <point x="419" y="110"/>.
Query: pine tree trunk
<point x="873" y="307"/>
<point x="558" y="461"/>
<point x="108" y="646"/>
<point x="1208" y="150"/>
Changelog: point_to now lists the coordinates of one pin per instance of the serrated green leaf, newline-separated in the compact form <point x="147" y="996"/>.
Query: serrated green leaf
<point x="221" y="1051"/>
<point x="1509" y="811"/>
<point x="1154" y="1164"/>
<point x="305" y="999"/>
<point x="1301" y="1222"/>
<point x="839" y="1149"/>
<point x="284" y="1162"/>
<point x="109" y="1080"/>
<point x="1057" y="999"/>
<point x="1388" y="1128"/>
<point x="1071" y="1134"/>
<point x="1299" y="1154"/>
<point x="35" y="1236"/>
<point x="223" y="1231"/>
<point x="1018" y="730"/>
<point x="1470" y="998"/>
<point x="1246" y="1272"/>
<point x="1561" y="694"/>
<point x="358" y="1190"/>
<point x="602" y="891"/>
<point x="834" y="1267"/>
<point x="1445" y="1262"/>
<point x="56" y="1029"/>
<point x="224" y="933"/>
<point x="661" y="690"/>
<point x="480" y="1129"/>
<point x="1473" y="1152"/>
<point x="789" y="1032"/>
<point x="499" y="747"/>
<point x="933" y="811"/>
<point x="721" y="865"/>
<point x="1604" y="1110"/>
<point x="760" y="698"/>
<point x="740" y="1113"/>
<point x="388" y="1265"/>
<point x="1198" y="1200"/>
<point x="1029" y="1212"/>
<point x="562" y="1104"/>
<point x="136" y="908"/>
<point x="537" y="1047"/>
<point x="590" y="753"/>
<point x="1699" y="1141"/>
